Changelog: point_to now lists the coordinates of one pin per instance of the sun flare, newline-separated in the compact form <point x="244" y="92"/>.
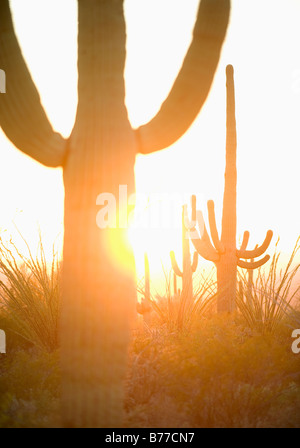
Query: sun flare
<point x="195" y="164"/>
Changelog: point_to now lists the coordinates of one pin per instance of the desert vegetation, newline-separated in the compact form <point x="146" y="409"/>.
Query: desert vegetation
<point x="188" y="366"/>
<point x="215" y="349"/>
<point x="212" y="351"/>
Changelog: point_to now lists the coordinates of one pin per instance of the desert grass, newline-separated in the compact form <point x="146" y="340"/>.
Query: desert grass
<point x="172" y="309"/>
<point x="217" y="371"/>
<point x="269" y="298"/>
<point x="30" y="294"/>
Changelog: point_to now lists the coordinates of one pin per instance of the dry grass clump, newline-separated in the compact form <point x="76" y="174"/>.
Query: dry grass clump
<point x="30" y="295"/>
<point x="171" y="310"/>
<point x="269" y="298"/>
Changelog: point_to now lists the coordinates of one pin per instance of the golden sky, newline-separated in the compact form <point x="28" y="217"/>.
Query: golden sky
<point x="263" y="43"/>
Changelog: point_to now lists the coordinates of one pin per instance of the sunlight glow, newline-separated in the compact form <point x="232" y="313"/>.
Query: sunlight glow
<point x="267" y="107"/>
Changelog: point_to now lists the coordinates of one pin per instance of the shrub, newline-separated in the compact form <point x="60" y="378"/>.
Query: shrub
<point x="29" y="389"/>
<point x="267" y="300"/>
<point x="30" y="294"/>
<point x="170" y="308"/>
<point x="219" y="375"/>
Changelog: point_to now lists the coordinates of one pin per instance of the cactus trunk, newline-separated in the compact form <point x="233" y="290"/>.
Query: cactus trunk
<point x="188" y="269"/>
<point x="227" y="266"/>
<point x="98" y="281"/>
<point x="187" y="273"/>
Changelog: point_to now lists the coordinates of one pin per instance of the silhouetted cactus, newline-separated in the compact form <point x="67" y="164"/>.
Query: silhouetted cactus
<point x="245" y="289"/>
<point x="188" y="268"/>
<point x="98" y="278"/>
<point x="144" y="307"/>
<point x="250" y="278"/>
<point x="176" y="291"/>
<point x="222" y="251"/>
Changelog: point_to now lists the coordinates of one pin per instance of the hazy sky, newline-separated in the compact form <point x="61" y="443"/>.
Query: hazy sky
<point x="263" y="44"/>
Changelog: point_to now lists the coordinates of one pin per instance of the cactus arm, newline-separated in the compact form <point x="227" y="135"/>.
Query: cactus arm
<point x="213" y="227"/>
<point x="193" y="82"/>
<point x="193" y="233"/>
<point x="202" y="248"/>
<point x="191" y="225"/>
<point x="175" y="265"/>
<point x="245" y="240"/>
<point x="22" y="116"/>
<point x="201" y="243"/>
<point x="253" y="264"/>
<point x="194" y="208"/>
<point x="147" y="277"/>
<point x="197" y="216"/>
<point x="204" y="234"/>
<point x="195" y="262"/>
<point x="258" y="251"/>
<point x="188" y="225"/>
<point x="175" y="283"/>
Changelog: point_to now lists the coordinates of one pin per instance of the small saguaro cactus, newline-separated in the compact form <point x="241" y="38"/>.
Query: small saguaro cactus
<point x="222" y="251"/>
<point x="188" y="268"/>
<point x="176" y="290"/>
<point x="144" y="307"/>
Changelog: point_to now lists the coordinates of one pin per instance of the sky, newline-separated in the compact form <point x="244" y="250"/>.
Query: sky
<point x="262" y="44"/>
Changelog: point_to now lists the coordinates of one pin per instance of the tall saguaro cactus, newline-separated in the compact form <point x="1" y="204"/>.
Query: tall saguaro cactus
<point x="188" y="268"/>
<point x="98" y="266"/>
<point x="222" y="251"/>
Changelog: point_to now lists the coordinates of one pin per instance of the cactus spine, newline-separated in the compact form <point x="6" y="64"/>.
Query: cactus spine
<point x="222" y="251"/>
<point x="188" y="268"/>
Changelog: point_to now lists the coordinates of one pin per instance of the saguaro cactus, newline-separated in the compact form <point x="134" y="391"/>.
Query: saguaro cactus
<point x="144" y="307"/>
<point x="188" y="268"/>
<point x="98" y="265"/>
<point x="222" y="251"/>
<point x="176" y="291"/>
